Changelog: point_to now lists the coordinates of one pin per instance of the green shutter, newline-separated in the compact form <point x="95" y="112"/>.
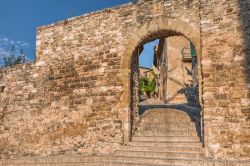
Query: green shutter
<point x="193" y="50"/>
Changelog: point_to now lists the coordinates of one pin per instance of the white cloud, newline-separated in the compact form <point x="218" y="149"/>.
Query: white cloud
<point x="7" y="43"/>
<point x="23" y="44"/>
<point x="5" y="39"/>
<point x="3" y="51"/>
<point x="12" y="42"/>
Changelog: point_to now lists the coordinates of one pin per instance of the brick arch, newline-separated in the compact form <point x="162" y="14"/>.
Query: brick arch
<point x="156" y="28"/>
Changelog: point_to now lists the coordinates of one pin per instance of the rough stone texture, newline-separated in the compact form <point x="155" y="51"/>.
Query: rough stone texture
<point x="134" y="85"/>
<point x="41" y="119"/>
<point x="225" y="69"/>
<point x="160" y="140"/>
<point x="76" y="97"/>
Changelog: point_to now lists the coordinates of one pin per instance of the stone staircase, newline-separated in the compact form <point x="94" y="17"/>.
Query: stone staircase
<point x="165" y="137"/>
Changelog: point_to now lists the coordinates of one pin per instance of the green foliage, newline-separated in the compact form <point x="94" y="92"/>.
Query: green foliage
<point x="12" y="59"/>
<point x="147" y="86"/>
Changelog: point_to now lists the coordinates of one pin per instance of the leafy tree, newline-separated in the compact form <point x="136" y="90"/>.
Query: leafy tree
<point x="147" y="86"/>
<point x="12" y="59"/>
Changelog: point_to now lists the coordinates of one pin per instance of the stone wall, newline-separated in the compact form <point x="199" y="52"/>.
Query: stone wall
<point x="43" y="117"/>
<point x="76" y="97"/>
<point x="226" y="79"/>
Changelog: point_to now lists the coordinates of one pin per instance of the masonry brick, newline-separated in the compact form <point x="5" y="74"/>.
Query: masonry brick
<point x="70" y="99"/>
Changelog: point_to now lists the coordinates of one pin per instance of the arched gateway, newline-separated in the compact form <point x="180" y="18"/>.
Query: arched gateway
<point x="159" y="27"/>
<point x="76" y="98"/>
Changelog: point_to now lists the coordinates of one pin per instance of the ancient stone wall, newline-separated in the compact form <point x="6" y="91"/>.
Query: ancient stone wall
<point x="39" y="119"/>
<point x="226" y="79"/>
<point x="78" y="109"/>
<point x="76" y="97"/>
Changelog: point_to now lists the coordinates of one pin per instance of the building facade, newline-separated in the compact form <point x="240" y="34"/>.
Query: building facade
<point x="174" y="58"/>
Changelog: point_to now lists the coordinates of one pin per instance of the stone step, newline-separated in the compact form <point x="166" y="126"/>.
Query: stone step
<point x="168" y="125"/>
<point x="164" y="155"/>
<point x="167" y="122"/>
<point x="165" y="144"/>
<point x="167" y="138"/>
<point x="166" y="117"/>
<point x="163" y="149"/>
<point x="165" y="133"/>
<point x="162" y="161"/>
<point x="170" y="161"/>
<point x="101" y="163"/>
<point x="167" y="128"/>
<point x="119" y="161"/>
<point x="88" y="161"/>
<point x="164" y="121"/>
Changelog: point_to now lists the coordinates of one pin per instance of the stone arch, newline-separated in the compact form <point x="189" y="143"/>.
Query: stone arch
<point x="145" y="33"/>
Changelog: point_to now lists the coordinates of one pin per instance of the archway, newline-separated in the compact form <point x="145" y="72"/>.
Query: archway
<point x="154" y="29"/>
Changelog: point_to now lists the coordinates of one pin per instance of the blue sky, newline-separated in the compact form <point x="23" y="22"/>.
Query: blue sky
<point x="20" y="18"/>
<point x="146" y="57"/>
